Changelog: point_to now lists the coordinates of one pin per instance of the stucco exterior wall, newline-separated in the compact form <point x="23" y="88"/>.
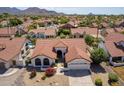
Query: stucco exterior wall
<point x="42" y="58"/>
<point x="79" y="64"/>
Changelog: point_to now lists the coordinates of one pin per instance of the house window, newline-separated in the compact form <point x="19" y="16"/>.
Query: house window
<point x="46" y="61"/>
<point x="37" y="62"/>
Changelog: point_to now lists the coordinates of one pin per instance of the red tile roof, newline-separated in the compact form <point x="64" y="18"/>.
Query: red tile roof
<point x="81" y="30"/>
<point x="7" y="31"/>
<point x="110" y="41"/>
<point x="45" y="47"/>
<point x="46" y="31"/>
<point x="110" y="30"/>
<point x="12" y="47"/>
<point x="76" y="53"/>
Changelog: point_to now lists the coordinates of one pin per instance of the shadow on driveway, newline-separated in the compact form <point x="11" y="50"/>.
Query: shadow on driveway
<point x="77" y="73"/>
<point x="97" y="68"/>
<point x="2" y="70"/>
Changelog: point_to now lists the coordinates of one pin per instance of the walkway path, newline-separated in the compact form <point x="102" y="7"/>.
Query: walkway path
<point x="12" y="80"/>
<point x="10" y="71"/>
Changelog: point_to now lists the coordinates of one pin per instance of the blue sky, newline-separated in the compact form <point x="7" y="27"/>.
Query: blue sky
<point x="85" y="10"/>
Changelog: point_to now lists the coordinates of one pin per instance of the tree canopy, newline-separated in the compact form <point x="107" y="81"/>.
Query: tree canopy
<point x="98" y="55"/>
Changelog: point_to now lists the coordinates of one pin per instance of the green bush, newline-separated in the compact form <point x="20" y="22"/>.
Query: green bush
<point x="64" y="32"/>
<point x="98" y="82"/>
<point x="15" y="22"/>
<point x="98" y="55"/>
<point x="43" y="77"/>
<point x="89" y="39"/>
<point x="62" y="35"/>
<point x="33" y="73"/>
<point x="113" y="77"/>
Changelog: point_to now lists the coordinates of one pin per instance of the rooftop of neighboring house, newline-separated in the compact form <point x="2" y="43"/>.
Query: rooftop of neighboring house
<point x="45" y="30"/>
<point x="76" y="48"/>
<point x="7" y="31"/>
<point x="87" y="30"/>
<point x="110" y="43"/>
<point x="119" y="29"/>
<point x="9" y="48"/>
<point x="110" y="30"/>
<point x="67" y="25"/>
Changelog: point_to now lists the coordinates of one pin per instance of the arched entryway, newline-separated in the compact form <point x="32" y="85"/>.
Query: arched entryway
<point x="46" y="62"/>
<point x="37" y="62"/>
<point x="59" y="54"/>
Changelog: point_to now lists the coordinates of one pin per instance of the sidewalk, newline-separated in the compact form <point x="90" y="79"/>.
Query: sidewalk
<point x="9" y="72"/>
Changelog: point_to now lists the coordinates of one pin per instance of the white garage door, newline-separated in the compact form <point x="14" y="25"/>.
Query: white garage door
<point x="78" y="64"/>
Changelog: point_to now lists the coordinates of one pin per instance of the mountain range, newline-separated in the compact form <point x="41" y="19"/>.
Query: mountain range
<point x="28" y="11"/>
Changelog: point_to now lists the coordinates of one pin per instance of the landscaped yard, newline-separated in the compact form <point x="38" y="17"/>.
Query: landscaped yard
<point x="119" y="71"/>
<point x="59" y="80"/>
<point x="99" y="72"/>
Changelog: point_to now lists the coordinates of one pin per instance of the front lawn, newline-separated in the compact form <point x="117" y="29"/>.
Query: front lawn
<point x="119" y="71"/>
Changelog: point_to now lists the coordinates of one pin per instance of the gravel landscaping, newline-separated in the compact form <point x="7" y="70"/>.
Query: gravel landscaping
<point x="56" y="80"/>
<point x="99" y="72"/>
<point x="119" y="71"/>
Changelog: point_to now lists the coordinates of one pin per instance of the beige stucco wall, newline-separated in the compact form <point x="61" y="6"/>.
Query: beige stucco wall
<point x="42" y="58"/>
<point x="79" y="64"/>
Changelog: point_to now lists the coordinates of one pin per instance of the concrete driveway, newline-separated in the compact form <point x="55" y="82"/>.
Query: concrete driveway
<point x="79" y="78"/>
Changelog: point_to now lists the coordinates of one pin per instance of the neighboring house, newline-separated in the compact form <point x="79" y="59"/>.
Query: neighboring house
<point x="8" y="32"/>
<point x="23" y="28"/>
<point x="72" y="53"/>
<point x="114" y="44"/>
<point x="80" y="32"/>
<point x="13" y="52"/>
<point x="119" y="29"/>
<point x="66" y="26"/>
<point x="44" y="32"/>
<point x="110" y="30"/>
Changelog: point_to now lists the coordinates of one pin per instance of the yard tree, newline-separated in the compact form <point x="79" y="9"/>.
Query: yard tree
<point x="89" y="39"/>
<point x="15" y="22"/>
<point x="64" y="32"/>
<point x="98" y="55"/>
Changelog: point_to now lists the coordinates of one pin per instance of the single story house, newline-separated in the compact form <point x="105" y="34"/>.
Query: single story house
<point x="12" y="52"/>
<point x="72" y="52"/>
<point x="8" y="32"/>
<point x="114" y="44"/>
<point x="44" y="32"/>
<point x="67" y="26"/>
<point x="81" y="31"/>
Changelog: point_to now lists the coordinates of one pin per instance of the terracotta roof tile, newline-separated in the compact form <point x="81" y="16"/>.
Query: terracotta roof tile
<point x="46" y="46"/>
<point x="46" y="31"/>
<point x="110" y="41"/>
<point x="12" y="47"/>
<point x="81" y="30"/>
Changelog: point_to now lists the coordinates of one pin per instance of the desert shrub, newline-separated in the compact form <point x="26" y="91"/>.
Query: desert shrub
<point x="43" y="77"/>
<point x="113" y="77"/>
<point x="50" y="72"/>
<point x="98" y="82"/>
<point x="33" y="73"/>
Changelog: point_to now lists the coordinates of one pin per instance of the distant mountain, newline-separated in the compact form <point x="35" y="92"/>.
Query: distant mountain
<point x="28" y="11"/>
<point x="9" y="10"/>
